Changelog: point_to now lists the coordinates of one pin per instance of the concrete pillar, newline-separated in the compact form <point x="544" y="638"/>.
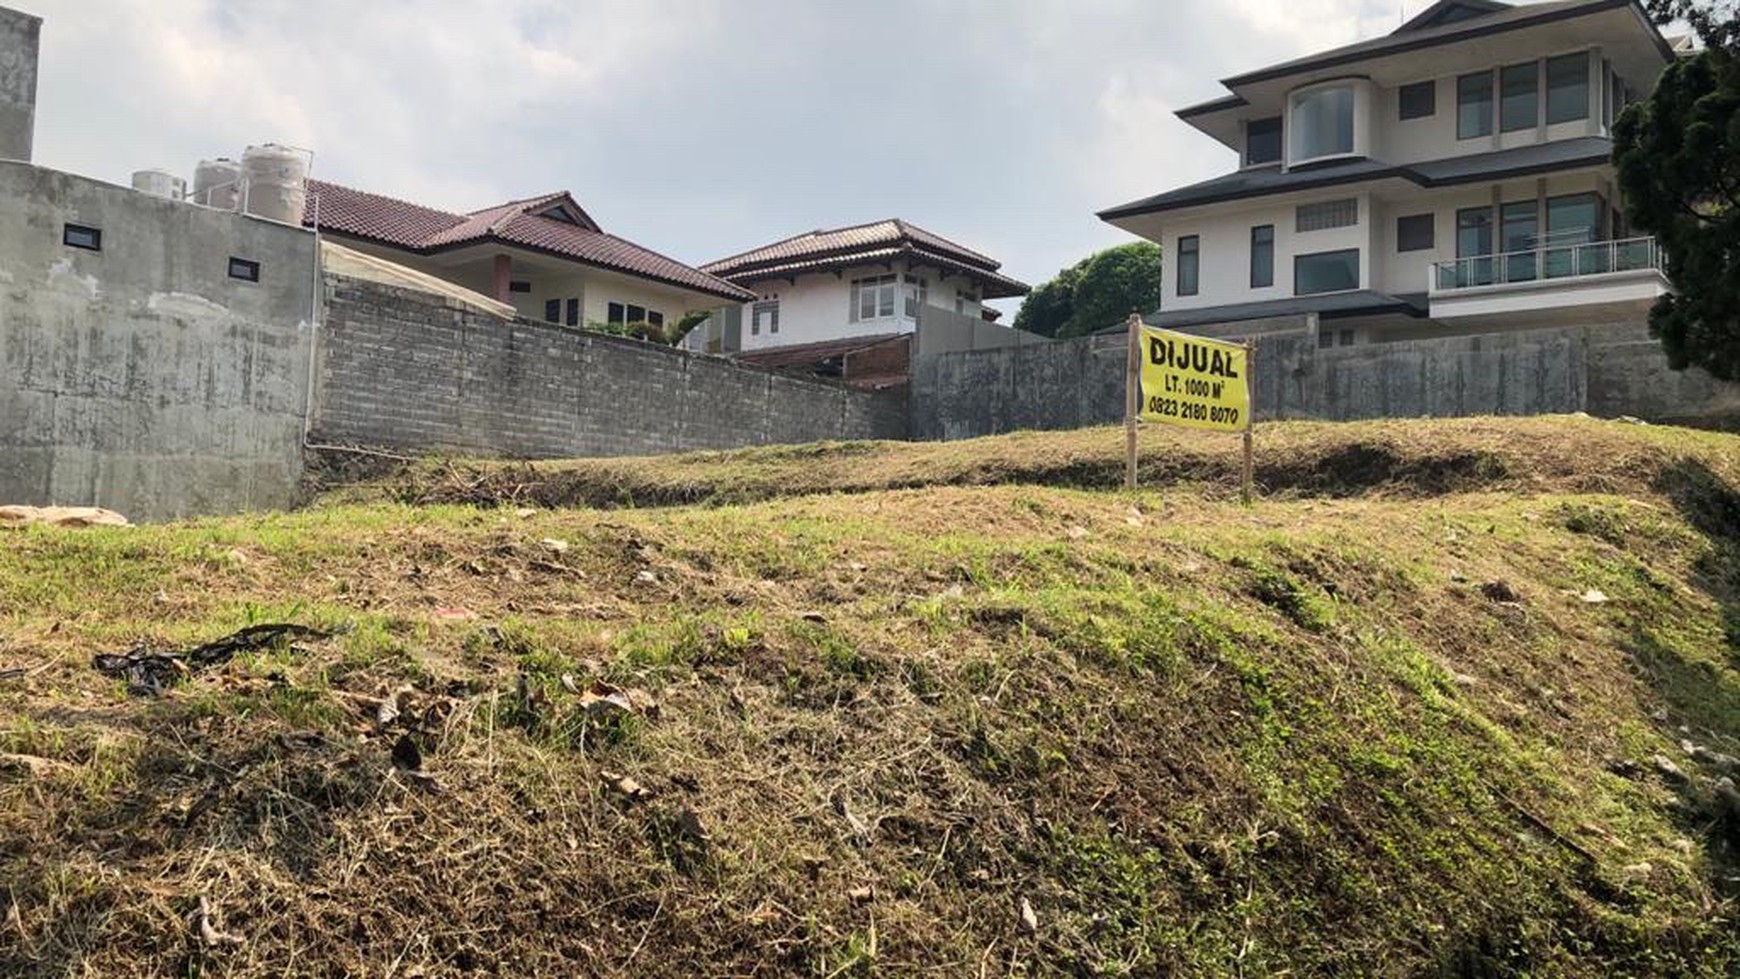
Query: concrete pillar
<point x="504" y="267"/>
<point x="20" y="36"/>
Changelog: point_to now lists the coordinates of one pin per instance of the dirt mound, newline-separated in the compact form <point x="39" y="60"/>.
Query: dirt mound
<point x="1460" y="701"/>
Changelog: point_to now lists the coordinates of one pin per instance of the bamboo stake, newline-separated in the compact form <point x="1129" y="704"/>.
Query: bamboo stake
<point x="1250" y="413"/>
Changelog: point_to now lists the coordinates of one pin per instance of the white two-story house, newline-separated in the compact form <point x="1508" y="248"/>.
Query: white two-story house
<point x="867" y="281"/>
<point x="1454" y="176"/>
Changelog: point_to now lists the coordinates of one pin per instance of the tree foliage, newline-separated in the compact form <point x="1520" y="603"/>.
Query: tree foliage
<point x="1678" y="159"/>
<point x="1096" y="292"/>
<point x="1716" y="24"/>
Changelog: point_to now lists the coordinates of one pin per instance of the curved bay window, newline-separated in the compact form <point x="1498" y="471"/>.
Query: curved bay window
<point x="1322" y="124"/>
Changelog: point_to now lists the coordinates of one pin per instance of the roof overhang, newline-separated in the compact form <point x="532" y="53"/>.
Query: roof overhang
<point x="993" y="285"/>
<point x="1328" y="306"/>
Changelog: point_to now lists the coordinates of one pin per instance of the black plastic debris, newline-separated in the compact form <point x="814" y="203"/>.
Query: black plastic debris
<point x="149" y="671"/>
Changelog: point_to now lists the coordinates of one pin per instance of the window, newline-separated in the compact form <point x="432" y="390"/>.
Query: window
<point x="1326" y="215"/>
<point x="1415" y="232"/>
<point x="764" y="317"/>
<point x="1568" y="88"/>
<point x="1474" y="241"/>
<point x="1326" y="272"/>
<point x="1474" y="106"/>
<point x="1347" y="338"/>
<point x="1263" y="141"/>
<point x="1571" y="221"/>
<point x="655" y="318"/>
<point x="573" y="317"/>
<point x="1262" y="256"/>
<point x="552" y="310"/>
<point x="1518" y="233"/>
<point x="79" y="236"/>
<point x="519" y="287"/>
<point x="915" y="295"/>
<point x="1189" y="264"/>
<point x="965" y="298"/>
<point x="1519" y="87"/>
<point x="1418" y="100"/>
<point x="1322" y="123"/>
<point x="622" y="313"/>
<point x="247" y="271"/>
<point x="1325" y="339"/>
<point x="872" y="299"/>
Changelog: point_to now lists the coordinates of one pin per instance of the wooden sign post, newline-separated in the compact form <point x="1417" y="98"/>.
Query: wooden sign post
<point x="1132" y="399"/>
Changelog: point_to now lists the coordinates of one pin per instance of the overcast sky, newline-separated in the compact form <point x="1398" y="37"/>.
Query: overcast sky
<point x="698" y="128"/>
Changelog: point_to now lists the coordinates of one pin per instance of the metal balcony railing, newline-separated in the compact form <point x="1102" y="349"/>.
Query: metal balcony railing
<point x="1548" y="262"/>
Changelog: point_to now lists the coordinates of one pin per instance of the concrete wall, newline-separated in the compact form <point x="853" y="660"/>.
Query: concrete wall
<point x="141" y="377"/>
<point x="1606" y="370"/>
<point x="942" y="331"/>
<point x="404" y="370"/>
<point x="20" y="35"/>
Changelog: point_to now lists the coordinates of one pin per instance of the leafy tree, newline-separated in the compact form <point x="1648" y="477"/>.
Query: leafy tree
<point x="1097" y="292"/>
<point x="1678" y="158"/>
<point x="1716" y="24"/>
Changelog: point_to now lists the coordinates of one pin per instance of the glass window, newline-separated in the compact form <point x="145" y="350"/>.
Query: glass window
<point x="1263" y="141"/>
<point x="1519" y="233"/>
<point x="916" y="291"/>
<point x="1262" y="256"/>
<point x="1419" y="100"/>
<point x="552" y="310"/>
<point x="1322" y="123"/>
<point x="1325" y="339"/>
<point x="519" y="286"/>
<point x="1326" y="272"/>
<point x="873" y="298"/>
<point x="1568" y="88"/>
<point x="1520" y="86"/>
<point x="1474" y="243"/>
<point x="655" y="318"/>
<point x="1325" y="215"/>
<point x="247" y="271"/>
<point x="79" y="236"/>
<point x="573" y="312"/>
<point x="1415" y="232"/>
<point x="764" y="318"/>
<point x="1474" y="105"/>
<point x="1571" y="222"/>
<point x="636" y="314"/>
<point x="1189" y="259"/>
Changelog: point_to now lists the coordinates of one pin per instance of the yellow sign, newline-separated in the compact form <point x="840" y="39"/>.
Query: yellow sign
<point x="1188" y="380"/>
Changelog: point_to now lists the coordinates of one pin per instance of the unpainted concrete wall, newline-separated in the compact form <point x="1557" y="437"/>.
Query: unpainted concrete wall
<point x="142" y="377"/>
<point x="20" y="37"/>
<point x="1607" y="371"/>
<point x="404" y="370"/>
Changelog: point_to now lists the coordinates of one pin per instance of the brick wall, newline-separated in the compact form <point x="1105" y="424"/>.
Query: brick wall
<point x="407" y="370"/>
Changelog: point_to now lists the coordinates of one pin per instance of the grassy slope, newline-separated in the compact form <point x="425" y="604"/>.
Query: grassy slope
<point x="1193" y="737"/>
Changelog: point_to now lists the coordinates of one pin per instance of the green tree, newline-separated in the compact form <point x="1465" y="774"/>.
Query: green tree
<point x="1678" y="158"/>
<point x="1097" y="292"/>
<point x="1716" y="24"/>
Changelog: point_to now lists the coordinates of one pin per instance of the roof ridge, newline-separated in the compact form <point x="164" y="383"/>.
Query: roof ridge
<point x="800" y="235"/>
<point x="312" y="182"/>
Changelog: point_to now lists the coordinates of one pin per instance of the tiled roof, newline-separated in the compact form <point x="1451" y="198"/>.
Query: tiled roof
<point x="803" y="354"/>
<point x="425" y="230"/>
<point x="879" y="241"/>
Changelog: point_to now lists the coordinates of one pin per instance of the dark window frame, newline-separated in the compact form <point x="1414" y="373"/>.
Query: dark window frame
<point x="1300" y="260"/>
<point x="1581" y="77"/>
<point x="1408" y="236"/>
<point x="1262" y="256"/>
<point x="552" y="310"/>
<point x="1251" y="130"/>
<point x="573" y="312"/>
<point x="82" y="236"/>
<point x="248" y="268"/>
<point x="1486" y="120"/>
<point x="1189" y="258"/>
<point x="1417" y="100"/>
<point x="1529" y="72"/>
<point x="519" y="286"/>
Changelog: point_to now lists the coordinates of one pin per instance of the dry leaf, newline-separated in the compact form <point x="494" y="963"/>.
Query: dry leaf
<point x="1029" y="920"/>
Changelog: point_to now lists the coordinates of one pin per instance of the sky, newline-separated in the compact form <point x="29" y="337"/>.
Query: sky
<point x="698" y="128"/>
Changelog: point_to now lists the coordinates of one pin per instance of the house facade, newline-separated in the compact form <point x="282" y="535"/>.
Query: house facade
<point x="1454" y="176"/>
<point x="544" y="256"/>
<point x="868" y="281"/>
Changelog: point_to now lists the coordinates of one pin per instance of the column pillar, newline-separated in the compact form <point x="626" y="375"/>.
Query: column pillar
<point x="503" y="278"/>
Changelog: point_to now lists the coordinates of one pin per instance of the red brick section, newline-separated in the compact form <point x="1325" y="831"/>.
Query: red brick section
<point x="569" y="234"/>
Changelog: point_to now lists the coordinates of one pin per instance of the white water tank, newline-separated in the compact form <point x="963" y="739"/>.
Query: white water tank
<point x="275" y="183"/>
<point x="217" y="183"/>
<point x="159" y="183"/>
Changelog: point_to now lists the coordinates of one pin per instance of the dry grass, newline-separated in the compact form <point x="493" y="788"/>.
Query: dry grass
<point x="1194" y="738"/>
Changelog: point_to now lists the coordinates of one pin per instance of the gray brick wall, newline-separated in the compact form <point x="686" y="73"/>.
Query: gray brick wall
<point x="407" y="370"/>
<point x="1607" y="371"/>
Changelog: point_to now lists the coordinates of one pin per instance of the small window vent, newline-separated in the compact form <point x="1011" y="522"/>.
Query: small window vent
<point x="1328" y="214"/>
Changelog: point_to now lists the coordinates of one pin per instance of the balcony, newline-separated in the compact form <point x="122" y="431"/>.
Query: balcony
<point x="1552" y="277"/>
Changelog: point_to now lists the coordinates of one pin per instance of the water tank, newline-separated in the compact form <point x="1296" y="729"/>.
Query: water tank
<point x="159" y="183"/>
<point x="275" y="183"/>
<point x="217" y="183"/>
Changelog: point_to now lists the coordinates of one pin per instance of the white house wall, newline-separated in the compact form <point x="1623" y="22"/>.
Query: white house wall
<point x="818" y="307"/>
<point x="1225" y="266"/>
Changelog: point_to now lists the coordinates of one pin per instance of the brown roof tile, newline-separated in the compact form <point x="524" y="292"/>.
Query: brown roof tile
<point x="878" y="241"/>
<point x="424" y="230"/>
